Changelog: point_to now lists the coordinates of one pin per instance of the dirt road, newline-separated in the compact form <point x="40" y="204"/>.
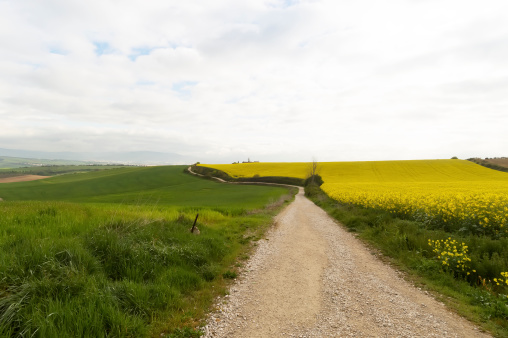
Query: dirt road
<point x="311" y="278"/>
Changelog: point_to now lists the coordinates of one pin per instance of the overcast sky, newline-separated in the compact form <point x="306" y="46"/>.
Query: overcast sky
<point x="274" y="80"/>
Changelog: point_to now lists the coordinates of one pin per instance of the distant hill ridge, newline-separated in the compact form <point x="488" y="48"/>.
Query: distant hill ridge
<point x="496" y="163"/>
<point x="128" y="157"/>
<point x="370" y="171"/>
<point x="7" y="162"/>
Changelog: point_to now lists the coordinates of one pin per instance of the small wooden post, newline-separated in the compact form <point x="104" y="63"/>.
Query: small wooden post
<point x="194" y="225"/>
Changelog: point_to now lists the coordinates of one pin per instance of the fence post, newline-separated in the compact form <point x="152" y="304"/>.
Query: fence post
<point x="194" y="225"/>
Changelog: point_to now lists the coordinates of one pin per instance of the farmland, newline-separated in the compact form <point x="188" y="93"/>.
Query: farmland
<point x="53" y="170"/>
<point x="444" y="221"/>
<point x="8" y="162"/>
<point x="109" y="253"/>
<point x="452" y="194"/>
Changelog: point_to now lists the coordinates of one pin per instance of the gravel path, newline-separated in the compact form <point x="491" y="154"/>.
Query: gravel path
<point x="311" y="278"/>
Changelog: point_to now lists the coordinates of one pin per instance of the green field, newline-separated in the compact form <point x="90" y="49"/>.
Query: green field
<point x="109" y="253"/>
<point x="134" y="185"/>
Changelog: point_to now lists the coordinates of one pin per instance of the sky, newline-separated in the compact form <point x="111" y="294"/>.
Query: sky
<point x="269" y="80"/>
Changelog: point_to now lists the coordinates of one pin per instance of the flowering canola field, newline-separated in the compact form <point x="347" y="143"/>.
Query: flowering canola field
<point x="454" y="194"/>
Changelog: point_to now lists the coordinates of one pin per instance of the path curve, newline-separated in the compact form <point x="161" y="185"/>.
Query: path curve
<point x="240" y="182"/>
<point x="311" y="278"/>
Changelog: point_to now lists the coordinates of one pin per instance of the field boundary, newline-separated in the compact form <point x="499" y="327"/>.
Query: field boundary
<point x="22" y="178"/>
<point x="189" y="169"/>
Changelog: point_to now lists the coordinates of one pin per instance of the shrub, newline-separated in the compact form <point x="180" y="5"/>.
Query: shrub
<point x="314" y="179"/>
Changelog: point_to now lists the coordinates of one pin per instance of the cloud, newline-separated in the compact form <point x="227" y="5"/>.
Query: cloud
<point x="283" y="80"/>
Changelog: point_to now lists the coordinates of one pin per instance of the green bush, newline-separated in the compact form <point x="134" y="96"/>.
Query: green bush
<point x="314" y="179"/>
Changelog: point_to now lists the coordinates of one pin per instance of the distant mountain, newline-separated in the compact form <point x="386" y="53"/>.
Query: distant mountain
<point x="7" y="162"/>
<point x="130" y="157"/>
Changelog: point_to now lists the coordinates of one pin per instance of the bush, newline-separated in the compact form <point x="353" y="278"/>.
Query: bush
<point x="314" y="179"/>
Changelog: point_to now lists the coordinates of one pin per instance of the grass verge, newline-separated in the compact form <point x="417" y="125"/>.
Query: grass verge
<point x="110" y="253"/>
<point x="103" y="270"/>
<point x="405" y="243"/>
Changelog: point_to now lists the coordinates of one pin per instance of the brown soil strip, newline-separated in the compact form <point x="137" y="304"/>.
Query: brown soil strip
<point x="23" y="178"/>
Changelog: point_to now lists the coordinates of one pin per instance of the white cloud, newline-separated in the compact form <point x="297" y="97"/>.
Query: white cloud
<point x="272" y="80"/>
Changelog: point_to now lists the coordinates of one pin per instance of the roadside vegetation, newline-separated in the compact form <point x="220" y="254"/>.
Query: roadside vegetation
<point x="443" y="221"/>
<point x="110" y="253"/>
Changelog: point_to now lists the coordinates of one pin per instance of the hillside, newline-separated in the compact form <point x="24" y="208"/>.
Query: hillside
<point x="498" y="163"/>
<point x="502" y="161"/>
<point x="128" y="157"/>
<point x="454" y="194"/>
<point x="109" y="253"/>
<point x="8" y="162"/>
<point x="371" y="171"/>
<point x="167" y="185"/>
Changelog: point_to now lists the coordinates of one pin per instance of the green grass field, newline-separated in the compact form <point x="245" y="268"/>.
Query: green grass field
<point x="161" y="185"/>
<point x="109" y="253"/>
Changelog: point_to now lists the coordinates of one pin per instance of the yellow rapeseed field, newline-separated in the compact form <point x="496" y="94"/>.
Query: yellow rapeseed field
<point x="451" y="193"/>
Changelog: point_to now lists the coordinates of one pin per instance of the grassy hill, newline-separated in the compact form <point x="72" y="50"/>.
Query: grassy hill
<point x="109" y="253"/>
<point x="370" y="171"/>
<point x="166" y="185"/>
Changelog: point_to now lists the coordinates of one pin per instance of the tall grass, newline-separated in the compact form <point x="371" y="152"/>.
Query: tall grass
<point x="121" y="262"/>
<point x="108" y="270"/>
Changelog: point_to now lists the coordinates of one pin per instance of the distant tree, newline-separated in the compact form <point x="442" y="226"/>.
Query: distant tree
<point x="312" y="175"/>
<point x="455" y="158"/>
<point x="314" y="180"/>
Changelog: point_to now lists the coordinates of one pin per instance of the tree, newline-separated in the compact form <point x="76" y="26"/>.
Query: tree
<point x="312" y="175"/>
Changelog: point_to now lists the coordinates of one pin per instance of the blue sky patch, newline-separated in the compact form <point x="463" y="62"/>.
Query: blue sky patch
<point x="137" y="52"/>
<point x="57" y="50"/>
<point x="102" y="48"/>
<point x="183" y="88"/>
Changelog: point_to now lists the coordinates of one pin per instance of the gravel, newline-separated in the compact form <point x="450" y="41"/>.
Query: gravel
<point x="311" y="278"/>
